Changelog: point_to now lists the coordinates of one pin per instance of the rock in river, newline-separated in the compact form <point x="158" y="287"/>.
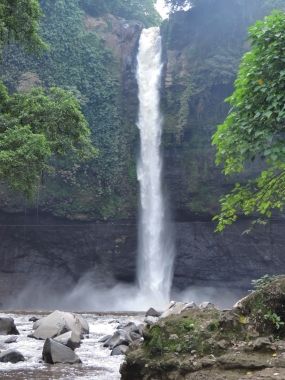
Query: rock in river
<point x="7" y="326"/>
<point x="118" y="338"/>
<point x="58" y="323"/>
<point x="69" y="339"/>
<point x="119" y="350"/>
<point x="55" y="352"/>
<point x="11" y="356"/>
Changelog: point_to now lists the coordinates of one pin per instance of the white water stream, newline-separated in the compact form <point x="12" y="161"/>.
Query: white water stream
<point x="156" y="248"/>
<point x="96" y="360"/>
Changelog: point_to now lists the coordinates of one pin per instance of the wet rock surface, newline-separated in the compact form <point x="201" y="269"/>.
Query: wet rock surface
<point x="69" y="339"/>
<point x="54" y="255"/>
<point x="55" y="352"/>
<point x="11" y="356"/>
<point x="49" y="255"/>
<point x="58" y="323"/>
<point x="119" y="350"/>
<point x="7" y="326"/>
<point x="97" y="361"/>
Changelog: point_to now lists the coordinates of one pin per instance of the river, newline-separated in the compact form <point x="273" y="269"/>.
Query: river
<point x="96" y="360"/>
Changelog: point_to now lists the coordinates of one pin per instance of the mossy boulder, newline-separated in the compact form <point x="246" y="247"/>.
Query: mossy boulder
<point x="244" y="340"/>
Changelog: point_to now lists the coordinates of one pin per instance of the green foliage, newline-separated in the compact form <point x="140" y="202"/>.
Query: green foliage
<point x="263" y="281"/>
<point x="255" y="126"/>
<point x="34" y="126"/>
<point x="81" y="62"/>
<point x="142" y="10"/>
<point x="274" y="319"/>
<point x="19" y="21"/>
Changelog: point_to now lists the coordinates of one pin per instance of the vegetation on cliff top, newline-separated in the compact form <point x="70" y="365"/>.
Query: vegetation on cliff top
<point x="19" y="21"/>
<point x="254" y="128"/>
<point x="142" y="10"/>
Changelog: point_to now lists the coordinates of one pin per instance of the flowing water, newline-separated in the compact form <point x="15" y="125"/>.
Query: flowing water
<point x="156" y="248"/>
<point x="96" y="360"/>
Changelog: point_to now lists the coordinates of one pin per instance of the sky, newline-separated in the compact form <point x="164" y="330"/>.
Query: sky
<point x="160" y="7"/>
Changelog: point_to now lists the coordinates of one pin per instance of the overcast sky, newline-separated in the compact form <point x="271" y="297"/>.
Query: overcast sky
<point x="161" y="9"/>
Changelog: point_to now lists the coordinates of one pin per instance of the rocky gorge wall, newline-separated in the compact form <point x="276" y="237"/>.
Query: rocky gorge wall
<point x="82" y="222"/>
<point x="53" y="255"/>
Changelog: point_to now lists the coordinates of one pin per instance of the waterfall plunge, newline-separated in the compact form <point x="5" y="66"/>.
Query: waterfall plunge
<point x="156" y="248"/>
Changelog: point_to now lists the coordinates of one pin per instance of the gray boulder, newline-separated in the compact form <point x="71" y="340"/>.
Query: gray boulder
<point x="12" y="339"/>
<point x="131" y="327"/>
<point x="55" y="352"/>
<point x="119" y="350"/>
<point x="11" y="356"/>
<point x="7" y="326"/>
<point x="152" y="313"/>
<point x="38" y="322"/>
<point x="117" y="339"/>
<point x="131" y="337"/>
<point x="69" y="339"/>
<point x="104" y="339"/>
<point x="33" y="319"/>
<point x="177" y="308"/>
<point x="58" y="323"/>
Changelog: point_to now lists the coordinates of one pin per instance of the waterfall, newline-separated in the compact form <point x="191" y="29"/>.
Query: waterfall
<point x="156" y="248"/>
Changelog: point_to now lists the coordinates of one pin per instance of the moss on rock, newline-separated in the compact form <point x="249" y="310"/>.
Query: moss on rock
<point x="229" y="342"/>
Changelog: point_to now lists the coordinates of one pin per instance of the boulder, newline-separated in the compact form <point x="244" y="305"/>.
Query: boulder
<point x="104" y="339"/>
<point x="7" y="326"/>
<point x="131" y="337"/>
<point x="119" y="350"/>
<point x="55" y="352"/>
<point x="152" y="313"/>
<point x="118" y="338"/>
<point x="33" y="319"/>
<point x="69" y="339"/>
<point x="38" y="322"/>
<point x="177" y="308"/>
<point x="11" y="356"/>
<point x="131" y="327"/>
<point x="12" y="339"/>
<point x="58" y="323"/>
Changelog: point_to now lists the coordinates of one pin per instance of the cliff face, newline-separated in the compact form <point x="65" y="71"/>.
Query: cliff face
<point x="204" y="48"/>
<point x="96" y="235"/>
<point x="95" y="58"/>
<point x="53" y="255"/>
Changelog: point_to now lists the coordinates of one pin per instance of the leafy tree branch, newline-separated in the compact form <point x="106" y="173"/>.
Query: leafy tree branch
<point x="255" y="126"/>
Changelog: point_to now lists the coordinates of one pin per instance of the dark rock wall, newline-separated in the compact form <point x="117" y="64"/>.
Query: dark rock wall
<point x="45" y="252"/>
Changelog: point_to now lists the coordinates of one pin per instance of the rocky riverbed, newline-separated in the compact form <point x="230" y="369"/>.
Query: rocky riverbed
<point x="185" y="342"/>
<point x="96" y="360"/>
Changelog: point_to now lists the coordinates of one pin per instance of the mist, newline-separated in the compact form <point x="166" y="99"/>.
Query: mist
<point x="87" y="296"/>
